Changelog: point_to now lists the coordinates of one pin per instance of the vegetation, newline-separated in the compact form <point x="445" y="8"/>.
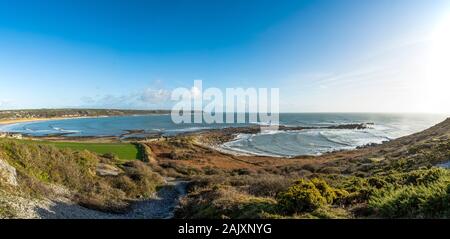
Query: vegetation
<point x="223" y="201"/>
<point x="123" y="151"/>
<point x="418" y="194"/>
<point x="41" y="167"/>
<point x="398" y="179"/>
<point x="308" y="195"/>
<point x="422" y="193"/>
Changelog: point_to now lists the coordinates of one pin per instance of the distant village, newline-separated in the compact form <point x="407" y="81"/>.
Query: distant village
<point x="39" y="114"/>
<point x="11" y="135"/>
<point x="70" y="113"/>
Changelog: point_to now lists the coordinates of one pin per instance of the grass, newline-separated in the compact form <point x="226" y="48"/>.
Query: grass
<point x="124" y="151"/>
<point x="40" y="165"/>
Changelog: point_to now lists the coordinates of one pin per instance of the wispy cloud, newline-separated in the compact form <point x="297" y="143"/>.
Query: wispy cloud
<point x="5" y="103"/>
<point x="147" y="98"/>
<point x="388" y="81"/>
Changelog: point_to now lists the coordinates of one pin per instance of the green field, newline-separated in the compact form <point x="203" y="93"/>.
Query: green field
<point x="124" y="151"/>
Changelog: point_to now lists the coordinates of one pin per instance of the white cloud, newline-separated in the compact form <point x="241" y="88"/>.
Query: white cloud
<point x="154" y="96"/>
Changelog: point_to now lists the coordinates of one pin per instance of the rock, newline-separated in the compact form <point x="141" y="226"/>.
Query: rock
<point x="8" y="173"/>
<point x="107" y="170"/>
<point x="376" y="159"/>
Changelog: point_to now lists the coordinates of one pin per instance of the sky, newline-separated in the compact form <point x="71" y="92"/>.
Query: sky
<point x="324" y="56"/>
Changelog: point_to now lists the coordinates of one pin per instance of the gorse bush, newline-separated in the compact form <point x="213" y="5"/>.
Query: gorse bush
<point x="303" y="196"/>
<point x="325" y="190"/>
<point x="308" y="195"/>
<point x="417" y="202"/>
<point x="419" y="194"/>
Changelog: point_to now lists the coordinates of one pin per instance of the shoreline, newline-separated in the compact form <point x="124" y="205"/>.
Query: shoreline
<point x="213" y="138"/>
<point x="216" y="139"/>
<point x="31" y="120"/>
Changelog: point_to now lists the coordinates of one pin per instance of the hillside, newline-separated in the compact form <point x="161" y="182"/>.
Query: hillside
<point x="397" y="179"/>
<point x="33" y="176"/>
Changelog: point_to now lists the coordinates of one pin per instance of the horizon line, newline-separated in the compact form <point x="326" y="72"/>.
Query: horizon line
<point x="281" y="112"/>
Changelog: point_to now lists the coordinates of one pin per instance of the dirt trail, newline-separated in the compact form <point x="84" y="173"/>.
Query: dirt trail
<point x="162" y="206"/>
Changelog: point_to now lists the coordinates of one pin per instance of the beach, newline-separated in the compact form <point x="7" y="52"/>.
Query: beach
<point x="29" y="120"/>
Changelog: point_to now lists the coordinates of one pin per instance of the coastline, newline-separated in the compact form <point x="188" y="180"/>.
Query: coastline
<point x="214" y="138"/>
<point x="30" y="120"/>
<point x="34" y="115"/>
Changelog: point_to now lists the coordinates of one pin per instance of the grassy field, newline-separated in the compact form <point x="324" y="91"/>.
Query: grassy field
<point x="124" y="151"/>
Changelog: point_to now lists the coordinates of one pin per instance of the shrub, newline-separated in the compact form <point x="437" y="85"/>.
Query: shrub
<point x="325" y="190"/>
<point x="309" y="195"/>
<point x="303" y="196"/>
<point x="144" y="179"/>
<point x="422" y="194"/>
<point x="219" y="202"/>
<point x="269" y="185"/>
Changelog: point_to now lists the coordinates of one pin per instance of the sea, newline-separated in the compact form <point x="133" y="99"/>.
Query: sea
<point x="289" y="143"/>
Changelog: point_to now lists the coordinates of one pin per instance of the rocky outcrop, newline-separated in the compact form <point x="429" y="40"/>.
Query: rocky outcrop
<point x="8" y="173"/>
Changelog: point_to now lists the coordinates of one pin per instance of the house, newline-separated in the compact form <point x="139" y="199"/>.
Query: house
<point x="11" y="135"/>
<point x="15" y="136"/>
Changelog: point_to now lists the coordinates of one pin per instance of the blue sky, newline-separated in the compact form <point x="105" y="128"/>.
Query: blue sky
<point x="334" y="55"/>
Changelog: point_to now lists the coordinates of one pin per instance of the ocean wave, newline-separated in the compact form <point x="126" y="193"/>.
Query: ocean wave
<point x="353" y="137"/>
<point x="303" y="142"/>
<point x="61" y="130"/>
<point x="334" y="140"/>
<point x="240" y="151"/>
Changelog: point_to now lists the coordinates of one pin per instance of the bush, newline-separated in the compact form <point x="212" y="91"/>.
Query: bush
<point x="269" y="185"/>
<point x="325" y="190"/>
<point x="144" y="180"/>
<point x="303" y="196"/>
<point x="423" y="194"/>
<point x="308" y="195"/>
<point x="219" y="202"/>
